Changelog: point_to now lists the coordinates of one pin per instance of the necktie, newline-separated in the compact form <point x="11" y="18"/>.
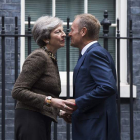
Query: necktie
<point x="79" y="57"/>
<point x="75" y="69"/>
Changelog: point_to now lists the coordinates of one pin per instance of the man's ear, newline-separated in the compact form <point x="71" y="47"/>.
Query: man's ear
<point x="83" y="31"/>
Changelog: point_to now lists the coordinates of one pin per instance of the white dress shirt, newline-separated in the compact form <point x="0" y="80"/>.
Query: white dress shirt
<point x="87" y="46"/>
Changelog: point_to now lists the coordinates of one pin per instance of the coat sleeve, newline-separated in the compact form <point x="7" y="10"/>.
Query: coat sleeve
<point x="102" y="74"/>
<point x="32" y="70"/>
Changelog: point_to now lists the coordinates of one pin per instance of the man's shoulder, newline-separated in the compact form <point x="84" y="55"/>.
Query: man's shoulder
<point x="99" y="51"/>
<point x="96" y="48"/>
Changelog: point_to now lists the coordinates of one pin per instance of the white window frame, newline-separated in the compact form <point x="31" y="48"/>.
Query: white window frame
<point x="121" y="13"/>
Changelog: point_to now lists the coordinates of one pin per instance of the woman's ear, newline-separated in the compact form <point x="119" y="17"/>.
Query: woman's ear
<point x="83" y="31"/>
<point x="46" y="41"/>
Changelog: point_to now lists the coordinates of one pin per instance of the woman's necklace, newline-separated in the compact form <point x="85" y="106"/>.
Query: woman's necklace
<point x="51" y="55"/>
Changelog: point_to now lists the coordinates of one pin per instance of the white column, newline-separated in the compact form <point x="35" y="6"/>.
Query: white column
<point x="121" y="13"/>
<point x="53" y="7"/>
<point x="85" y="6"/>
<point x="22" y="40"/>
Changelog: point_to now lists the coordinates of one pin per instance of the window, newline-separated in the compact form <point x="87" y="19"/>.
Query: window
<point x="64" y="9"/>
<point x="70" y="8"/>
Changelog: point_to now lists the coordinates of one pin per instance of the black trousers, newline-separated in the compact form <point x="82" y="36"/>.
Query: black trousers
<point x="31" y="125"/>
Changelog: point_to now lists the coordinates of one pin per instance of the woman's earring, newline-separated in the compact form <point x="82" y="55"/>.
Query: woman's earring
<point x="47" y="42"/>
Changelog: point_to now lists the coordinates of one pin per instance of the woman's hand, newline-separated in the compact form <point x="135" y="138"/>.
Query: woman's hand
<point x="64" y="105"/>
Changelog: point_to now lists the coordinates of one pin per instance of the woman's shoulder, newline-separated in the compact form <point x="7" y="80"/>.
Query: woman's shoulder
<point x="37" y="57"/>
<point x="38" y="53"/>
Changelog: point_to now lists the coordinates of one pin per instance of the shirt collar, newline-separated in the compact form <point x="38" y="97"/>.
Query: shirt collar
<point x="87" y="46"/>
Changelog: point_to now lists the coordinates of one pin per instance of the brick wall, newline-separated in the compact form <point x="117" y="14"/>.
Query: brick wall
<point x="9" y="9"/>
<point x="134" y="14"/>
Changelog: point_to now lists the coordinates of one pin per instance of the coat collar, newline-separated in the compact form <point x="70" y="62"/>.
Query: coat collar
<point x="87" y="46"/>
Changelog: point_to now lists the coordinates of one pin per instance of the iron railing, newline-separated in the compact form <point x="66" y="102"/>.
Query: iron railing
<point x="105" y="23"/>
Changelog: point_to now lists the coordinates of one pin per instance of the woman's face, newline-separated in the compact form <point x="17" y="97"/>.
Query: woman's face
<point x="57" y="37"/>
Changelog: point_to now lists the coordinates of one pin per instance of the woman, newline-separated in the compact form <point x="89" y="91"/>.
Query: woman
<point x="38" y="86"/>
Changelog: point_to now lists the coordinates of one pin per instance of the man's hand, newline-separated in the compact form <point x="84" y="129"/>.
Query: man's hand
<point x="73" y="101"/>
<point x="65" y="116"/>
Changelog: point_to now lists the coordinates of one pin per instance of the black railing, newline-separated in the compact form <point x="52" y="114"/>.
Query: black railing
<point x="68" y="71"/>
<point x="3" y="79"/>
<point x="105" y="23"/>
<point x="118" y="71"/>
<point x="131" y="80"/>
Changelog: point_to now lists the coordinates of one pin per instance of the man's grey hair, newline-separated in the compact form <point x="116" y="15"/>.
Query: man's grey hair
<point x="91" y="23"/>
<point x="43" y="27"/>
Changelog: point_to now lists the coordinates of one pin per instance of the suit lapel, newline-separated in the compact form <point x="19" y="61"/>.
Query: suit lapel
<point x="77" y="67"/>
<point x="79" y="63"/>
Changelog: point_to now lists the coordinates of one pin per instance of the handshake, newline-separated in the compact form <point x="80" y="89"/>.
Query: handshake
<point x="66" y="107"/>
<point x="69" y="108"/>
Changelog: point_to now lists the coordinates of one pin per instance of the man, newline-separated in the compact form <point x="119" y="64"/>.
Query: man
<point x="94" y="84"/>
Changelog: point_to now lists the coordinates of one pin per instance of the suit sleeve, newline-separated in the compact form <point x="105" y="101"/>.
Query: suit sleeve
<point x="31" y="72"/>
<point x="101" y="73"/>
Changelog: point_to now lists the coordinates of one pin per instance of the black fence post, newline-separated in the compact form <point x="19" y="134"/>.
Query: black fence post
<point x="131" y="80"/>
<point x="105" y="23"/>
<point x="3" y="79"/>
<point x="68" y="70"/>
<point x="16" y="48"/>
<point x="118" y="73"/>
<point x="29" y="37"/>
<point x="55" y="131"/>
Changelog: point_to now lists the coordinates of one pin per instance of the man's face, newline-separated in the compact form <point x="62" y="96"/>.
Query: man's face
<point x="75" y="34"/>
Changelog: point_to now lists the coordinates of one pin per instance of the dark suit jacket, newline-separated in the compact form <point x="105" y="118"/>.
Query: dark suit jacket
<point x="95" y="93"/>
